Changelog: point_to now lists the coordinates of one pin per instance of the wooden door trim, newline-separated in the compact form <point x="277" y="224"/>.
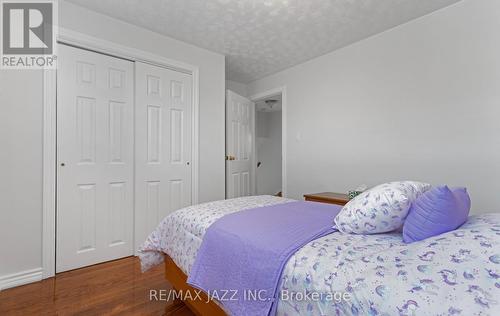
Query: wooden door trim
<point x="98" y="45"/>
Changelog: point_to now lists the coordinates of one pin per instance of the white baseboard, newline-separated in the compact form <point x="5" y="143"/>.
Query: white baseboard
<point x="20" y="278"/>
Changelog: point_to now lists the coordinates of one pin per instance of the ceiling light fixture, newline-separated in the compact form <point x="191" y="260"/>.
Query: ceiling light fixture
<point x="270" y="103"/>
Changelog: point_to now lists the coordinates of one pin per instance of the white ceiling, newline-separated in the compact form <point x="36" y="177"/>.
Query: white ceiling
<point x="262" y="37"/>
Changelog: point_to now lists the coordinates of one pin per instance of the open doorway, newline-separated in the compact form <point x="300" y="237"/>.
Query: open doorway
<point x="268" y="145"/>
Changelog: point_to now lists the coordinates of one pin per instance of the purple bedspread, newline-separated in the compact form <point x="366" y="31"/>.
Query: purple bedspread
<point x="242" y="255"/>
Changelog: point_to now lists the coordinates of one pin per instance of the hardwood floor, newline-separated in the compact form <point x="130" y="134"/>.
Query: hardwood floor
<point x="113" y="288"/>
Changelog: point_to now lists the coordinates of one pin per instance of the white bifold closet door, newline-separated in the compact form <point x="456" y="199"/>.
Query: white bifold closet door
<point x="95" y="158"/>
<point x="163" y="144"/>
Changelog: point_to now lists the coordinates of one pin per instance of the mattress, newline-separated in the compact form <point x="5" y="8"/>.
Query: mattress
<point x="180" y="234"/>
<point x="450" y="274"/>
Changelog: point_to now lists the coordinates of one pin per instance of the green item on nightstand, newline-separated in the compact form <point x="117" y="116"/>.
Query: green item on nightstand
<point x="352" y="194"/>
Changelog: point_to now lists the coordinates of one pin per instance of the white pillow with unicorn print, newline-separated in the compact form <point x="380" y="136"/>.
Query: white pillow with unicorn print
<point x="380" y="209"/>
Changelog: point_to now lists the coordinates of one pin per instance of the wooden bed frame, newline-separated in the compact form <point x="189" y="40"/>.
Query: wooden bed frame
<point x="179" y="282"/>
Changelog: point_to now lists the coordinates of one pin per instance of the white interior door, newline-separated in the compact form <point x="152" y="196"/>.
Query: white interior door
<point x="95" y="158"/>
<point x="240" y="132"/>
<point x="164" y="115"/>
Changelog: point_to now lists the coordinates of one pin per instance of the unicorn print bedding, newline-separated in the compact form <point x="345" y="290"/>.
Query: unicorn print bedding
<point x="456" y="273"/>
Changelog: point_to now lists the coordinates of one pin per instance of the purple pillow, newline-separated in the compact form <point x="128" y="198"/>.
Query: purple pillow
<point x="437" y="211"/>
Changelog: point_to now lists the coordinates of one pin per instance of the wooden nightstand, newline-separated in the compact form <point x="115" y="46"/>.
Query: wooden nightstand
<point x="328" y="197"/>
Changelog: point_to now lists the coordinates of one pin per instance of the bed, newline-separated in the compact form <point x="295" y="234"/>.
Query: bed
<point x="456" y="273"/>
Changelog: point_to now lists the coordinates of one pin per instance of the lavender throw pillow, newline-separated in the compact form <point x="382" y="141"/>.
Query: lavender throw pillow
<point x="437" y="211"/>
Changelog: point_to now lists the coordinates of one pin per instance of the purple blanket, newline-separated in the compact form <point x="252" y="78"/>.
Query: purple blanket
<point x="242" y="255"/>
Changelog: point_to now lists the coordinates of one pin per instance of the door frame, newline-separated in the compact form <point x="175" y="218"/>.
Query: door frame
<point x="269" y="93"/>
<point x="80" y="40"/>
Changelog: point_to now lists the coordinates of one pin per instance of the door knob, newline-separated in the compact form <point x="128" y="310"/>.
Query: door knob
<point x="63" y="164"/>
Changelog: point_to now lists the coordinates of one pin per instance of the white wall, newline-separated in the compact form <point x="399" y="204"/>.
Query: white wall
<point x="239" y="88"/>
<point x="268" y="150"/>
<point x="20" y="171"/>
<point x="21" y="131"/>
<point x="421" y="101"/>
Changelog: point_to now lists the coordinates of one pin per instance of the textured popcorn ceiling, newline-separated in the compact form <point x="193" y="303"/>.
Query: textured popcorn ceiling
<point x="262" y="37"/>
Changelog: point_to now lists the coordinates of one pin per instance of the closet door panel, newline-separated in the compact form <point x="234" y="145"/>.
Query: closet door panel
<point x="163" y="144"/>
<point x="95" y="158"/>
